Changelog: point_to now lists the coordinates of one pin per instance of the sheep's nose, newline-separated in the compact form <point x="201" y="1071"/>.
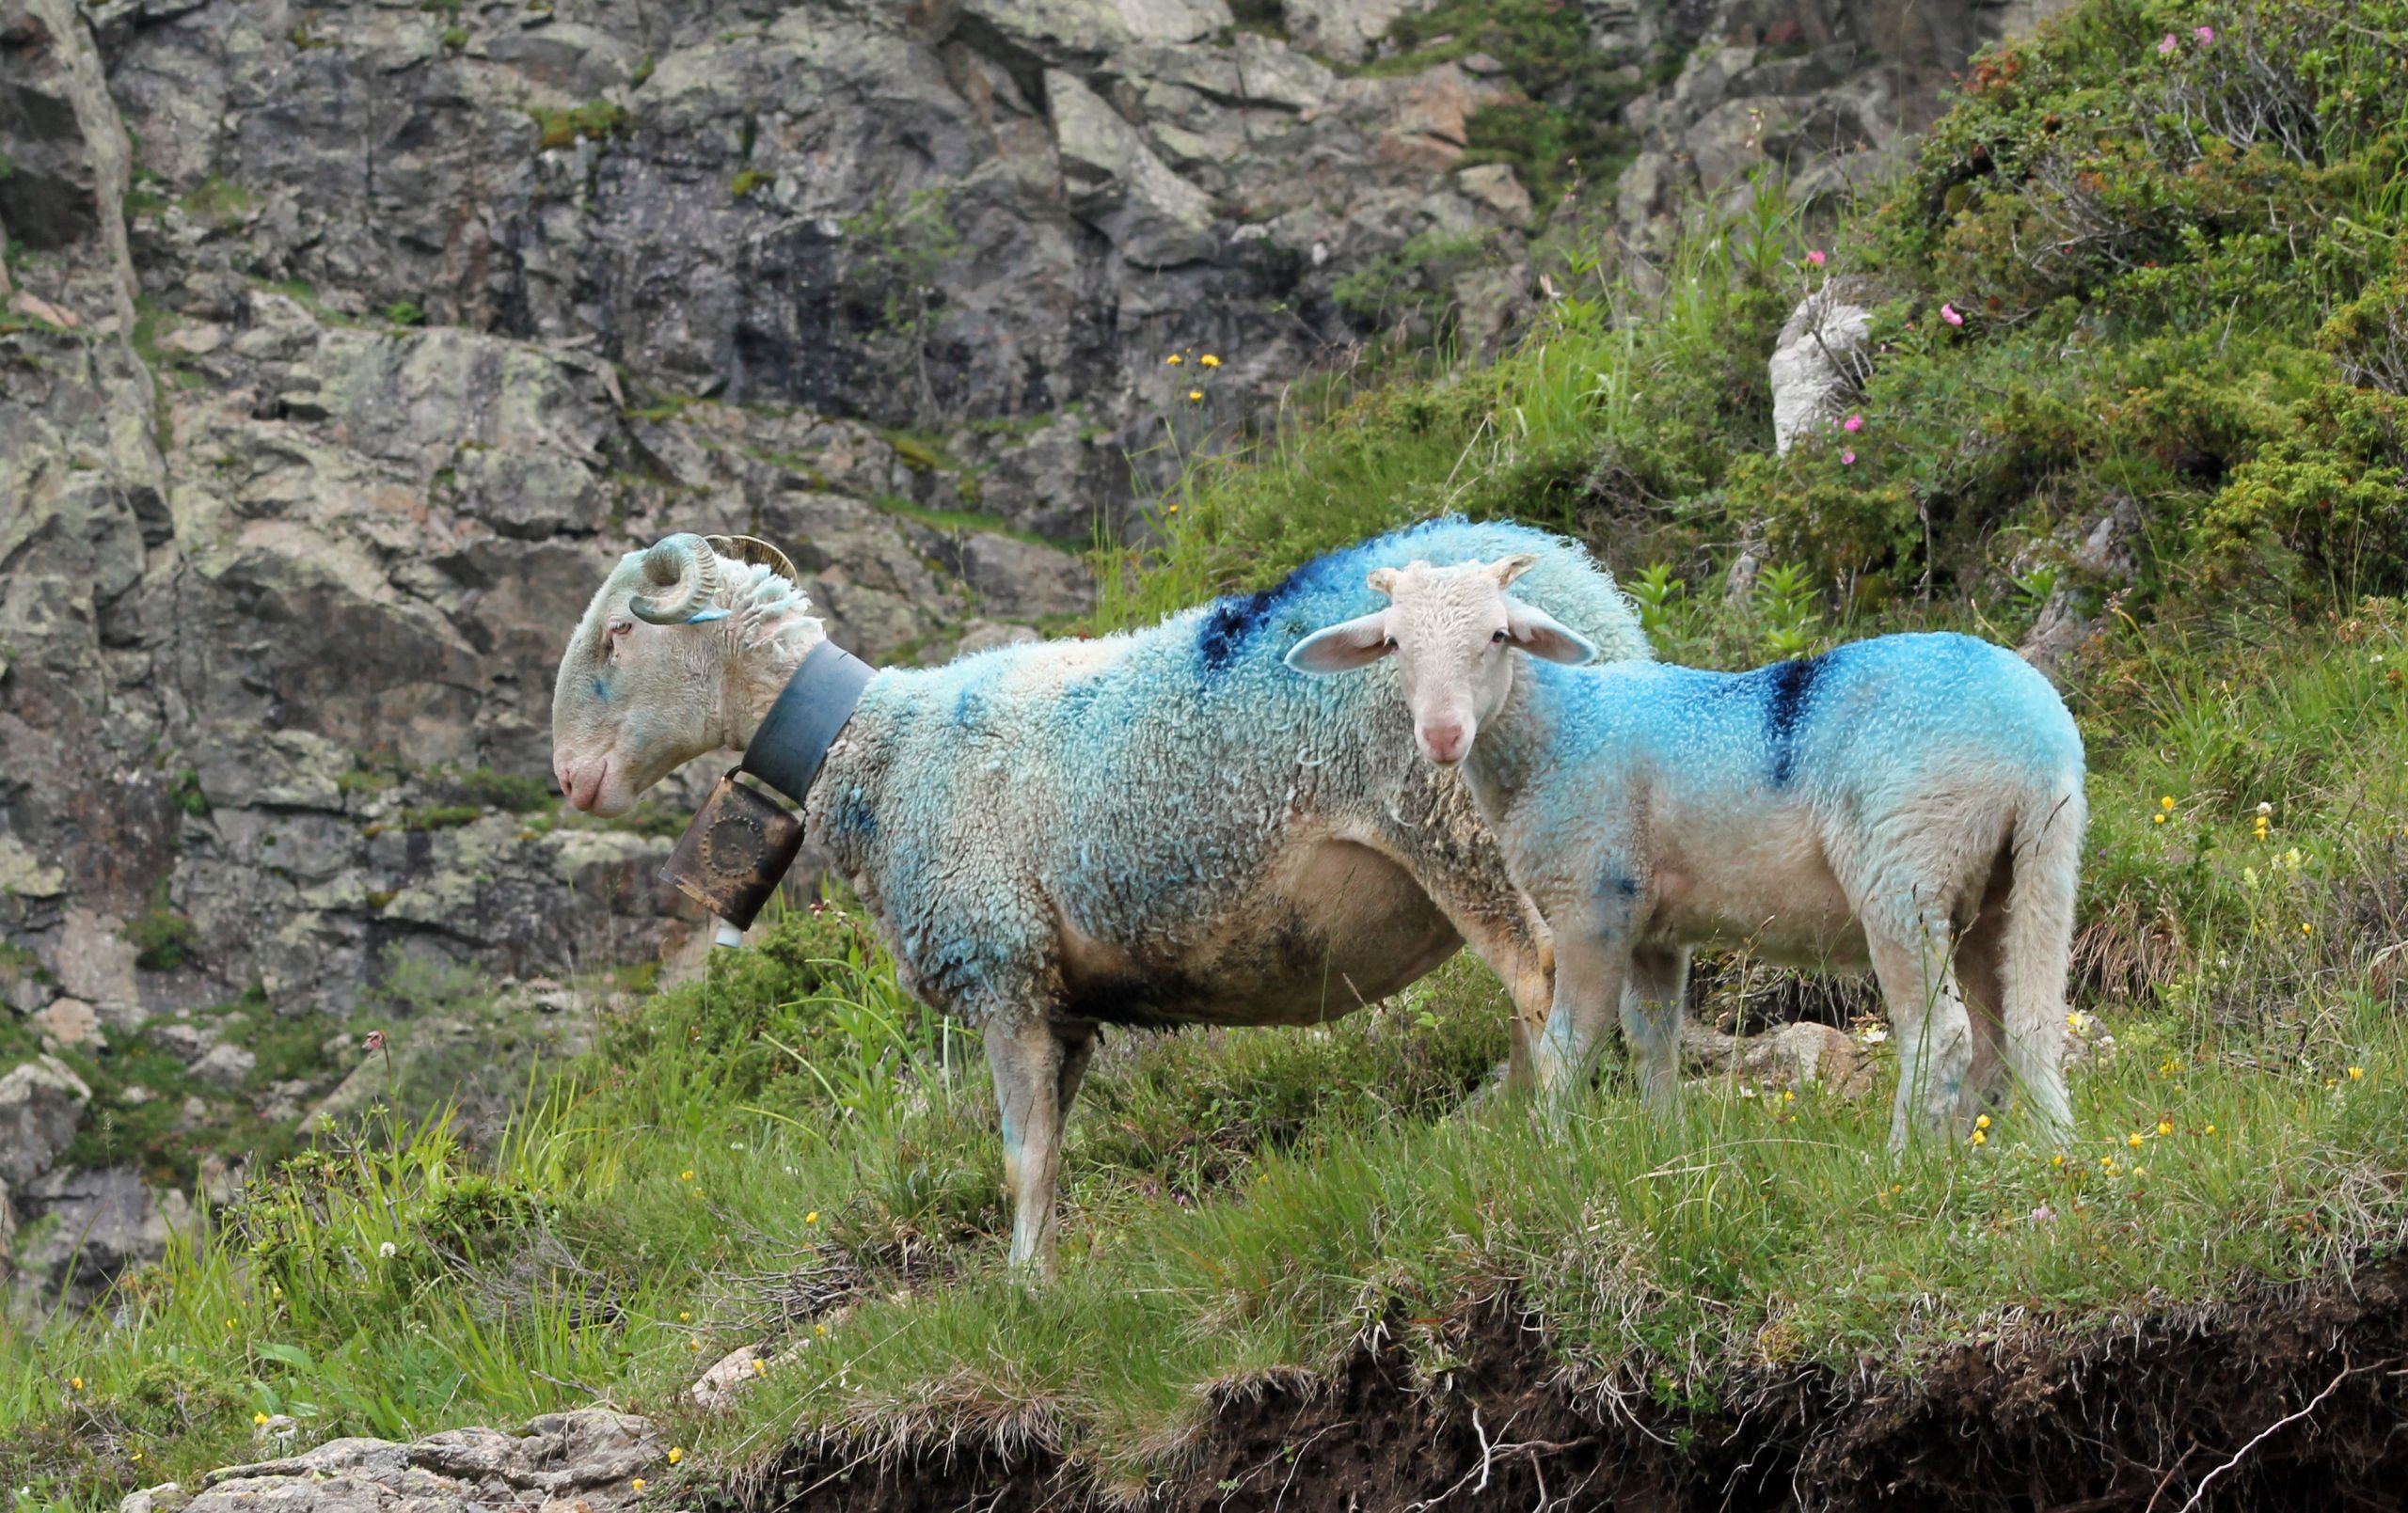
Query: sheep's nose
<point x="1445" y="744"/>
<point x="580" y="786"/>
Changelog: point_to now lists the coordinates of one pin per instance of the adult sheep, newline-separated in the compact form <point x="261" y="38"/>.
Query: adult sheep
<point x="1163" y="826"/>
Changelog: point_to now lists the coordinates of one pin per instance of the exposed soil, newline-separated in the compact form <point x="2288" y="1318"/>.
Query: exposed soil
<point x="2288" y="1399"/>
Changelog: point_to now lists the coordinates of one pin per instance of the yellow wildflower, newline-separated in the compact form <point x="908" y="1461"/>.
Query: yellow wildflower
<point x="760" y="1367"/>
<point x="74" y="1385"/>
<point x="637" y="1484"/>
<point x="2306" y="929"/>
<point x="1980" y="1139"/>
<point x="812" y="1218"/>
<point x="2167" y="802"/>
<point x="676" y="1453"/>
<point x="1173" y="510"/>
<point x="2058" y="1160"/>
<point x="2211" y="1130"/>
<point x="2133" y="1140"/>
<point x="2165" y="1126"/>
<point x="1194" y="396"/>
<point x="686" y="1175"/>
<point x="1983" y="1122"/>
<point x="1173" y="360"/>
<point x="259" y="1418"/>
<point x="683" y="1315"/>
<point x="2356" y="1073"/>
<point x="820" y="1328"/>
<point x="1209" y="360"/>
<point x="2157" y="819"/>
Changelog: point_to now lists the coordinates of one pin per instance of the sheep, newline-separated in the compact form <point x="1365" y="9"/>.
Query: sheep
<point x="1153" y="828"/>
<point x="1913" y="802"/>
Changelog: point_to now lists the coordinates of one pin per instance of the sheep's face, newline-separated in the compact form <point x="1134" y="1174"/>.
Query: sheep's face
<point x="1450" y="629"/>
<point x="643" y="686"/>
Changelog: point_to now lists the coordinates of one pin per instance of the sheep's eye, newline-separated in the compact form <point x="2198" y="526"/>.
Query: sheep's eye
<point x="1497" y="639"/>
<point x="1392" y="643"/>
<point x="622" y="627"/>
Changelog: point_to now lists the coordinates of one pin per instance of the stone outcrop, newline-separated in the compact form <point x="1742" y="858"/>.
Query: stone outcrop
<point x="588" y="1460"/>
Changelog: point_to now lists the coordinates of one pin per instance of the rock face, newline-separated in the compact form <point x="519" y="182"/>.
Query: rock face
<point x="588" y="1460"/>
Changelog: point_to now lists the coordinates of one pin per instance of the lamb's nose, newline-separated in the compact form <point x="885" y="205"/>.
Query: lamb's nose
<point x="1445" y="743"/>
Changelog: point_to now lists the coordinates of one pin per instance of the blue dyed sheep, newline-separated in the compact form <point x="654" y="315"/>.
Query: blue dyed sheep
<point x="1915" y="801"/>
<point x="1158" y="827"/>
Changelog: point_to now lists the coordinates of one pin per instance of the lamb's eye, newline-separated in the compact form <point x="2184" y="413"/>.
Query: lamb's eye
<point x="1497" y="639"/>
<point x="1392" y="643"/>
<point x="622" y="627"/>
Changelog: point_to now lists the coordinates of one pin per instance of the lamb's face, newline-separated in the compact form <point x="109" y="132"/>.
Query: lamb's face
<point x="1450" y="629"/>
<point x="642" y="687"/>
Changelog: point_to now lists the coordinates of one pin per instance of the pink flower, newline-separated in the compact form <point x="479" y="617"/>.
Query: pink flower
<point x="1815" y="257"/>
<point x="1853" y="424"/>
<point x="2165" y="48"/>
<point x="2205" y="34"/>
<point x="1948" y="313"/>
<point x="1848" y="459"/>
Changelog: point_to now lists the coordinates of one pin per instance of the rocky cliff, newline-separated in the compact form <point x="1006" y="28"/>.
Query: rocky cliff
<point x="345" y="345"/>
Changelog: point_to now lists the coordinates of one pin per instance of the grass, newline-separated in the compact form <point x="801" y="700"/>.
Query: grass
<point x="792" y="1153"/>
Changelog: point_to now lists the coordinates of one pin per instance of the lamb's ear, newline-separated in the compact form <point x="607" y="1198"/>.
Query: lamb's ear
<point x="1381" y="580"/>
<point x="1506" y="569"/>
<point x="1542" y="635"/>
<point x="1342" y="647"/>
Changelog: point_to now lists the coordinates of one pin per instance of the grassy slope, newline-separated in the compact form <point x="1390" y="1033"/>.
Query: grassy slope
<point x="2208" y="325"/>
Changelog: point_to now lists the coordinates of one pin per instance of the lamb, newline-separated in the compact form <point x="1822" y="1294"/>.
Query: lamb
<point x="1158" y="827"/>
<point x="1913" y="801"/>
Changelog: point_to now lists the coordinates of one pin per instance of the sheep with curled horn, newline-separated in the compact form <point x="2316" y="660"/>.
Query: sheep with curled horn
<point x="1158" y="827"/>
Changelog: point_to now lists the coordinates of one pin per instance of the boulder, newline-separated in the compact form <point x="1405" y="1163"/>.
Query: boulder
<point x="587" y="1459"/>
<point x="41" y="1106"/>
<point x="1821" y="358"/>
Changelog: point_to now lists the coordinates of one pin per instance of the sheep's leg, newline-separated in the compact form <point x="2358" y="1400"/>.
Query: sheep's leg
<point x="1037" y="1071"/>
<point x="1651" y="1020"/>
<point x="1590" y="971"/>
<point x="1934" y="1035"/>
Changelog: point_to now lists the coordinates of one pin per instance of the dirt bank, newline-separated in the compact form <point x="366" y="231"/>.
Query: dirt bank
<point x="2287" y="1398"/>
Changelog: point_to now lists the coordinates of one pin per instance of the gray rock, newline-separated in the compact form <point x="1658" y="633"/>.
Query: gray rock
<point x="225" y="1067"/>
<point x="717" y="1389"/>
<point x="41" y="1106"/>
<point x="1792" y="1056"/>
<point x="1821" y="358"/>
<point x="588" y="1457"/>
<point x="100" y="1224"/>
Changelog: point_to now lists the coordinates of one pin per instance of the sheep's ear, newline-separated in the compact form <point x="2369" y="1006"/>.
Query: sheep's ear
<point x="1383" y="580"/>
<point x="1342" y="647"/>
<point x="1506" y="569"/>
<point x="1542" y="635"/>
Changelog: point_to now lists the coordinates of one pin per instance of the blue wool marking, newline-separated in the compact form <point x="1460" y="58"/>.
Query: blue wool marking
<point x="602" y="689"/>
<point x="703" y="615"/>
<point x="1331" y="587"/>
<point x="1793" y="683"/>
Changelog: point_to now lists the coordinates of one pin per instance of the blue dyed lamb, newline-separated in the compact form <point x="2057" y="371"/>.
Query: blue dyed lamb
<point x="1158" y="827"/>
<point x="1910" y="801"/>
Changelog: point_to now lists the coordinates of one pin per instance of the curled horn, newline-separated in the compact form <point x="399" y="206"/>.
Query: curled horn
<point x="754" y="549"/>
<point x="686" y="567"/>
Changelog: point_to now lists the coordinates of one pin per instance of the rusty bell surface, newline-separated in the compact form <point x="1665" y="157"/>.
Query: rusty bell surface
<point x="743" y="840"/>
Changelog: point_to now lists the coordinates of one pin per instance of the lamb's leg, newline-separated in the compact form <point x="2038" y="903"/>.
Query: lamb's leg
<point x="1934" y="1034"/>
<point x="1590" y="971"/>
<point x="1981" y="971"/>
<point x="1650" y="1021"/>
<point x="1036" y="1074"/>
